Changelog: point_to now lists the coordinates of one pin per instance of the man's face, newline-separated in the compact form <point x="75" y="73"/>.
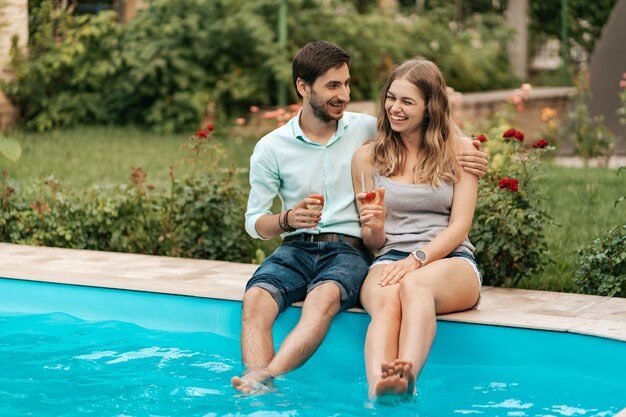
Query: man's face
<point x="329" y="95"/>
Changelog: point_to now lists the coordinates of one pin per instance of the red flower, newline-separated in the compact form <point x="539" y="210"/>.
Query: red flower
<point x="509" y="133"/>
<point x="541" y="143"/>
<point x="519" y="136"/>
<point x="201" y="134"/>
<point x="210" y="127"/>
<point x="510" y="183"/>
<point x="481" y="138"/>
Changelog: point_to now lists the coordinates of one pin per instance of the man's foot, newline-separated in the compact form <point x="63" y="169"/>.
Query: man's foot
<point x="254" y="382"/>
<point x="396" y="382"/>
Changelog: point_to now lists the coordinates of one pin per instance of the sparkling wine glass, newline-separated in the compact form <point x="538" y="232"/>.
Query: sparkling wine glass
<point x="317" y="191"/>
<point x="371" y="196"/>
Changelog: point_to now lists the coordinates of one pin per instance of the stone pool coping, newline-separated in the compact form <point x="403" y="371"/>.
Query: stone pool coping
<point x="573" y="313"/>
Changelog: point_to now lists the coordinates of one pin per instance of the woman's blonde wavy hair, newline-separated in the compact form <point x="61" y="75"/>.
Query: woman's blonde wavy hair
<point x="436" y="159"/>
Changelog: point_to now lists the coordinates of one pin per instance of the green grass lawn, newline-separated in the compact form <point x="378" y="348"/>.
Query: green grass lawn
<point x="580" y="200"/>
<point x="87" y="156"/>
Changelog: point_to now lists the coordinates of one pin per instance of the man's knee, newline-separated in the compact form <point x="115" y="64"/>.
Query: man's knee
<point x="258" y="304"/>
<point x="326" y="298"/>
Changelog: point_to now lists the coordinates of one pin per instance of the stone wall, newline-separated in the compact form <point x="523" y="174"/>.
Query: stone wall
<point x="13" y="21"/>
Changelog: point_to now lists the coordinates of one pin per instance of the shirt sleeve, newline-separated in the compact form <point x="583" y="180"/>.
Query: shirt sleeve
<point x="264" y="185"/>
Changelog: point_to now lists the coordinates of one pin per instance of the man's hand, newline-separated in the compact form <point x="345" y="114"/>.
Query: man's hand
<point x="474" y="162"/>
<point x="302" y="217"/>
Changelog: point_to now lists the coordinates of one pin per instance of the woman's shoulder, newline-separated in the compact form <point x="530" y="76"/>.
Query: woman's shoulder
<point x="364" y="153"/>
<point x="463" y="142"/>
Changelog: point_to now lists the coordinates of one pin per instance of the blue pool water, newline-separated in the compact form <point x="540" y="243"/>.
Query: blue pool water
<point x="70" y="350"/>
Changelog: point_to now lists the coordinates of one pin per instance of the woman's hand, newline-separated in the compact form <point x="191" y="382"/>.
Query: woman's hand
<point x="394" y="272"/>
<point x="372" y="209"/>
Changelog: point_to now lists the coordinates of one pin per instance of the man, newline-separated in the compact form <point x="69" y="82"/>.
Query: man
<point x="322" y="259"/>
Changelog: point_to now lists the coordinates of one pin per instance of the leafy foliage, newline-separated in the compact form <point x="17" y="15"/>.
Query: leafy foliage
<point x="508" y="228"/>
<point x="177" y="61"/>
<point x="585" y="20"/>
<point x="67" y="75"/>
<point x="590" y="135"/>
<point x="200" y="217"/>
<point x="601" y="267"/>
<point x="180" y="56"/>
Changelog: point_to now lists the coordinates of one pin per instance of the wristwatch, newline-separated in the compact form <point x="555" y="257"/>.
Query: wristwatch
<point x="420" y="256"/>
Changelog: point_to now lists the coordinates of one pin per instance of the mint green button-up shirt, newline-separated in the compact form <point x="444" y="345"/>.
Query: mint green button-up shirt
<point x="286" y="163"/>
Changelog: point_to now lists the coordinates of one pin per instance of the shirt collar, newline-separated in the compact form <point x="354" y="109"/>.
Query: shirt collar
<point x="342" y="125"/>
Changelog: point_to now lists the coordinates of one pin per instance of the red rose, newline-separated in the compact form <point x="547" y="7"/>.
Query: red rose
<point x="509" y="133"/>
<point x="519" y="136"/>
<point x="201" y="134"/>
<point x="541" y="143"/>
<point x="510" y="183"/>
<point x="481" y="138"/>
<point x="210" y="127"/>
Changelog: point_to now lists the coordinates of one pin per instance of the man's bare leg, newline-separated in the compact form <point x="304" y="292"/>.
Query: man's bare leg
<point x="320" y="306"/>
<point x="257" y="345"/>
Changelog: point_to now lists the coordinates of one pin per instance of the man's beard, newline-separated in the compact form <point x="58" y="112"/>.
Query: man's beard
<point x="318" y="107"/>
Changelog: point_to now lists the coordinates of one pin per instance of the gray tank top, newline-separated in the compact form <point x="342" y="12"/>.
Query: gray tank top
<point x="416" y="214"/>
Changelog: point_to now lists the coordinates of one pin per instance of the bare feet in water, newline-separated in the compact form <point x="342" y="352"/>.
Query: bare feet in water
<point x="255" y="382"/>
<point x="396" y="380"/>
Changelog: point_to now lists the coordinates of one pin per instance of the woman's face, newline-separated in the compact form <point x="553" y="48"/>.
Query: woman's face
<point x="404" y="106"/>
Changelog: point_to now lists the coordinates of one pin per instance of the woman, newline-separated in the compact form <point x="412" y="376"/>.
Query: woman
<point x="419" y="226"/>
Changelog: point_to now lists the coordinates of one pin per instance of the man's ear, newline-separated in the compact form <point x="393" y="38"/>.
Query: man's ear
<point x="302" y="86"/>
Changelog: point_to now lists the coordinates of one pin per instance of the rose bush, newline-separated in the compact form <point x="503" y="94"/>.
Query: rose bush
<point x="509" y="218"/>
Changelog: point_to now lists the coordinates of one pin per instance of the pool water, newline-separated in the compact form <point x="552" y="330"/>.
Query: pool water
<point x="120" y="359"/>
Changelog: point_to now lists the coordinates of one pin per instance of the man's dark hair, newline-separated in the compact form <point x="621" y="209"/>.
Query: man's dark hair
<point x="314" y="59"/>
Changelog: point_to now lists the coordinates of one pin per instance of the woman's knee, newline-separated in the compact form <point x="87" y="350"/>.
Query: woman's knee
<point x="384" y="302"/>
<point x="414" y="286"/>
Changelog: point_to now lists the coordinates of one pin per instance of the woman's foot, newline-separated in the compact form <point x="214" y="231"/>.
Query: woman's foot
<point x="396" y="382"/>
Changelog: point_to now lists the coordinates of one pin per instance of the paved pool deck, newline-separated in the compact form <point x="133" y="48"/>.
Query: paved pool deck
<point x="574" y="313"/>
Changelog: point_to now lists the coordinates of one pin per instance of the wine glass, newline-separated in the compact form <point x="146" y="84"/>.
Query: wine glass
<point x="372" y="196"/>
<point x="316" y="190"/>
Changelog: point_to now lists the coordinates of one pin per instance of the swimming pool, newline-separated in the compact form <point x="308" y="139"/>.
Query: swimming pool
<point x="72" y="350"/>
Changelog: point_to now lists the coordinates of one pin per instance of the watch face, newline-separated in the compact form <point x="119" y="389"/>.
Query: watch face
<point x="420" y="255"/>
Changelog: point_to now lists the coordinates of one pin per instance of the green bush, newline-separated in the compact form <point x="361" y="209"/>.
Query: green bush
<point x="591" y="137"/>
<point x="508" y="228"/>
<point x="200" y="217"/>
<point x="66" y="77"/>
<point x="601" y="267"/>
<point x="177" y="60"/>
<point x="180" y="56"/>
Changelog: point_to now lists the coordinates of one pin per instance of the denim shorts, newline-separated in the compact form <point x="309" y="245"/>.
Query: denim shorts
<point x="296" y="267"/>
<point x="396" y="255"/>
